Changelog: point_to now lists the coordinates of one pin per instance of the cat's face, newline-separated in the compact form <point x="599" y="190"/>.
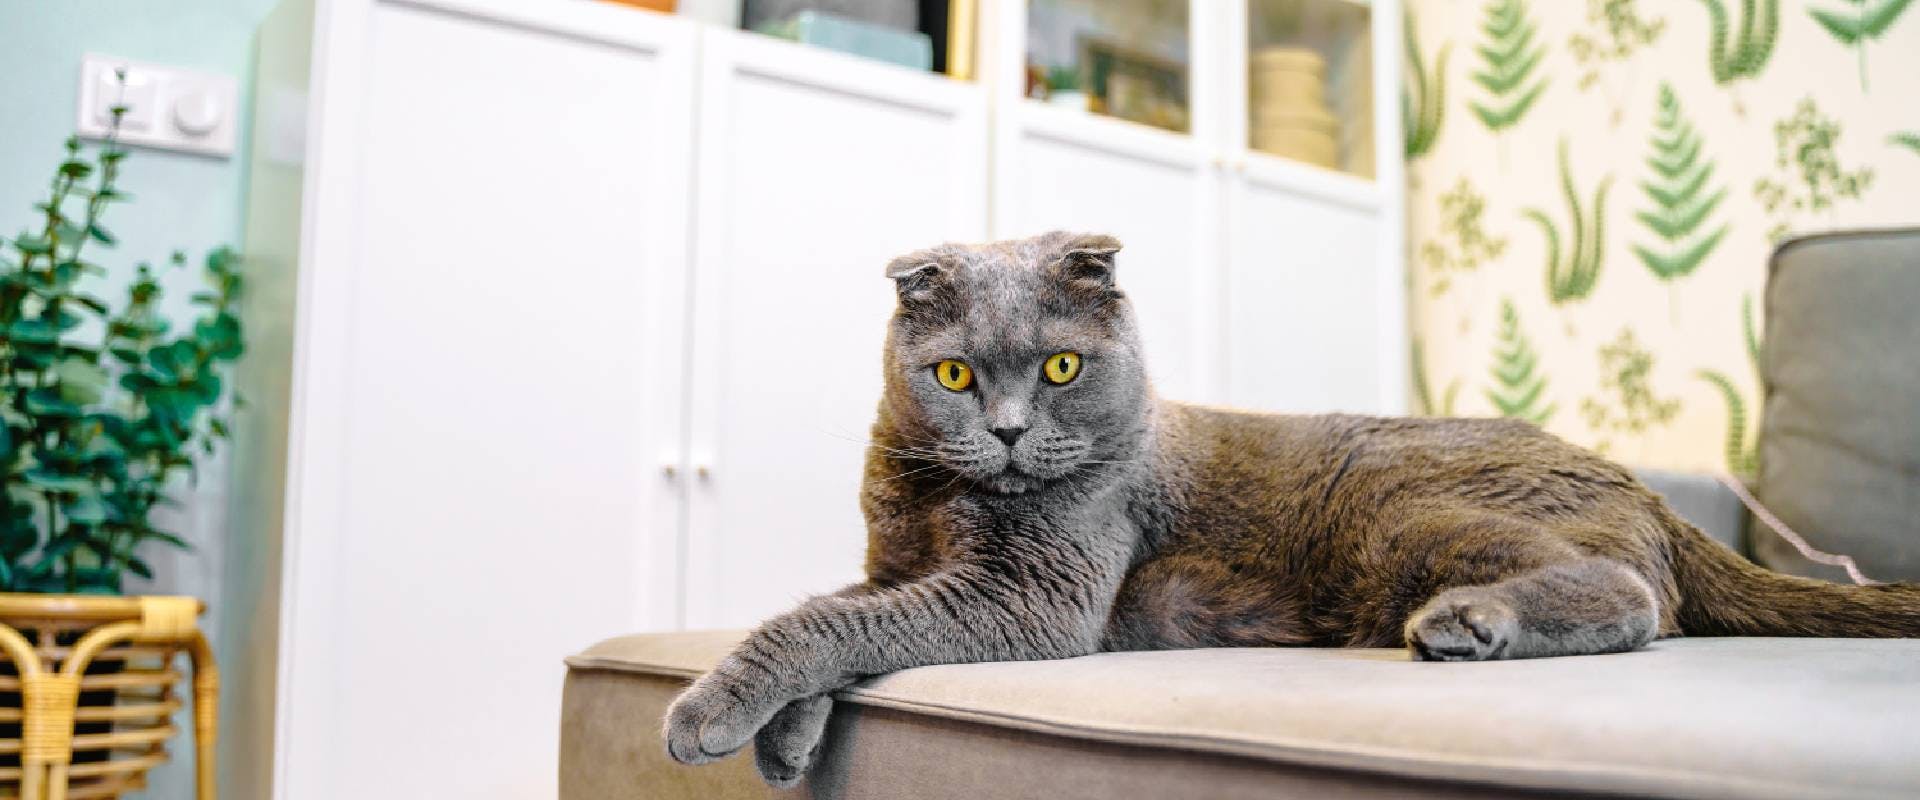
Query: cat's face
<point x="1016" y="364"/>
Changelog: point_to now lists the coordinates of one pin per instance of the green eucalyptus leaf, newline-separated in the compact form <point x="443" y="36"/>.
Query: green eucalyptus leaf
<point x="33" y="245"/>
<point x="87" y="509"/>
<point x="164" y="536"/>
<point x="138" y="383"/>
<point x="221" y="335"/>
<point x="81" y="381"/>
<point x="38" y="331"/>
<point x="205" y="388"/>
<point x="62" y="319"/>
<point x="220" y="260"/>
<point x="165" y="364"/>
<point x="48" y="401"/>
<point x="32" y="358"/>
<point x="60" y="546"/>
<point x="94" y="304"/>
<point x="48" y="481"/>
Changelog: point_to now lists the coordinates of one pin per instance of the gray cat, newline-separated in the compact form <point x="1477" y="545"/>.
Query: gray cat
<point x="1028" y="497"/>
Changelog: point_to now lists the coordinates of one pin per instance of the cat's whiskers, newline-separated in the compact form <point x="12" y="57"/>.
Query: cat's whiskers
<point x="917" y="452"/>
<point x="912" y="472"/>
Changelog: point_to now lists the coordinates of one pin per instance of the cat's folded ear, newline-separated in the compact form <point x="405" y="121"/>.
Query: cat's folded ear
<point x="917" y="277"/>
<point x="1087" y="260"/>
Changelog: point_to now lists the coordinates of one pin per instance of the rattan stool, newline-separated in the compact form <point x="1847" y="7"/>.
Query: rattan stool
<point x="94" y="679"/>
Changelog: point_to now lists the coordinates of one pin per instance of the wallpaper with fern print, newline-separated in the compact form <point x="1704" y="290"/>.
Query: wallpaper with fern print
<point x="1596" y="185"/>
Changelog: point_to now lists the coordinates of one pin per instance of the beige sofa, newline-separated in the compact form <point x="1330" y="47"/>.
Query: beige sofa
<point x="1735" y="718"/>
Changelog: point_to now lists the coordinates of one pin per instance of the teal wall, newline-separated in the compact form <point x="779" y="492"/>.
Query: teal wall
<point x="187" y="202"/>
<point x="181" y="201"/>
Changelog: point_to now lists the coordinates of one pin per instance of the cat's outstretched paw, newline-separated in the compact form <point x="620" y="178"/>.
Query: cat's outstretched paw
<point x="787" y="746"/>
<point x="707" y="722"/>
<point x="1464" y="624"/>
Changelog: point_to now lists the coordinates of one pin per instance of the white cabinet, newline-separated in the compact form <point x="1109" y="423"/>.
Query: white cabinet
<point x="1302" y="310"/>
<point x="1258" y="281"/>
<point x="815" y="170"/>
<point x="487" y="361"/>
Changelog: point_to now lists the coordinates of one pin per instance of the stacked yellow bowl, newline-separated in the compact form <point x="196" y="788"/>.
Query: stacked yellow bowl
<point x="1288" y="99"/>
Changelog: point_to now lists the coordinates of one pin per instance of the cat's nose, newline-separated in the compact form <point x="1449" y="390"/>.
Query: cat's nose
<point x="1009" y="435"/>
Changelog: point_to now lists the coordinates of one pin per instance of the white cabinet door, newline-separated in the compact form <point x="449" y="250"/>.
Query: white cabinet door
<point x="815" y="170"/>
<point x="1304" y="291"/>
<point x="488" y="373"/>
<point x="1065" y="170"/>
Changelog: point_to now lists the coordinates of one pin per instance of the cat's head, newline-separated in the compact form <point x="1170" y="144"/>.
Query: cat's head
<point x="1016" y="364"/>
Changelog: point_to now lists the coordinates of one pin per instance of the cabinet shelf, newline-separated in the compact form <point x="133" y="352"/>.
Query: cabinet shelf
<point x="1111" y="134"/>
<point x="1333" y="186"/>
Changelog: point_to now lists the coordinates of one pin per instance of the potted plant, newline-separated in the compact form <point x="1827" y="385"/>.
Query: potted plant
<point x="103" y="409"/>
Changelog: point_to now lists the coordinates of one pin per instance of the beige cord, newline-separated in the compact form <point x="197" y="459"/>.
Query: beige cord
<point x="1766" y="517"/>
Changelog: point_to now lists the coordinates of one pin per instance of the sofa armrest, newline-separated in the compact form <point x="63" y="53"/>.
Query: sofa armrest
<point x="1703" y="501"/>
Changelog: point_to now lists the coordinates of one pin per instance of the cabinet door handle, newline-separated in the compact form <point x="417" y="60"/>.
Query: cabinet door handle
<point x="671" y="471"/>
<point x="703" y="471"/>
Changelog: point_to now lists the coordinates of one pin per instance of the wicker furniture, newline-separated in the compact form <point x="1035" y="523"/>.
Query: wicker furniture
<point x="87" y="693"/>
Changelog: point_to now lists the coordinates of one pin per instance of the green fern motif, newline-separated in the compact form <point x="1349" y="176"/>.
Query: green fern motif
<point x="1868" y="20"/>
<point x="1809" y="175"/>
<point x="1574" y="278"/>
<point x="1747" y="52"/>
<point x="1742" y="451"/>
<point x="1906" y="139"/>
<point x="1615" y="31"/>
<point x="1627" y="403"/>
<point x="1511" y="56"/>
<point x="1518" y="387"/>
<point x="1681" y="201"/>
<point x="1424" y="107"/>
<point x="1423" y="390"/>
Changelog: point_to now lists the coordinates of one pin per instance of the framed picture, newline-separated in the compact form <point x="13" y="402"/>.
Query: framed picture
<point x="1133" y="85"/>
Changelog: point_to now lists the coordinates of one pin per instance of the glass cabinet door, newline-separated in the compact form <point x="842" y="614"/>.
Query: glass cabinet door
<point x="1310" y="82"/>
<point x="1121" y="58"/>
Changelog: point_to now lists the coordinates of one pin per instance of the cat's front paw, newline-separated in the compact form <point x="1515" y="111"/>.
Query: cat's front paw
<point x="788" y="745"/>
<point x="1464" y="624"/>
<point x="710" y="721"/>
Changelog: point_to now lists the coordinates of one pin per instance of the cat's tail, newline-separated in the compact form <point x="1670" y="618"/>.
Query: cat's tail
<point x="1723" y="594"/>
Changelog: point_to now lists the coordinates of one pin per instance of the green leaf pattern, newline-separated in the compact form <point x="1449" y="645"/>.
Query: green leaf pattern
<point x="1509" y="58"/>
<point x="1866" y="20"/>
<point x="1680" y="195"/>
<point x="1423" y="102"/>
<point x="1518" y="388"/>
<point x="1737" y="122"/>
<point x="1571" y="275"/>
<point x="1735" y="54"/>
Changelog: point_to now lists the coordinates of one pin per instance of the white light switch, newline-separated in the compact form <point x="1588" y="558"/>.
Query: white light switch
<point x="166" y="107"/>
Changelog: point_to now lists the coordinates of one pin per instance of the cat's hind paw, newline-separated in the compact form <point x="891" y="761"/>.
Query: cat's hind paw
<point x="707" y="722"/>
<point x="788" y="745"/>
<point x="1464" y="624"/>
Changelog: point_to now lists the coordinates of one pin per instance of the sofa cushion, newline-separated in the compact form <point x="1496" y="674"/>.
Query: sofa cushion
<point x="1839" y="443"/>
<point x="1682" y="718"/>
<point x="1704" y="501"/>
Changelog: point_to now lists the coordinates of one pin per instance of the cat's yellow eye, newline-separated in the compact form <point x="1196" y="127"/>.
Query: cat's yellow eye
<point x="953" y="375"/>
<point x="1062" y="367"/>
